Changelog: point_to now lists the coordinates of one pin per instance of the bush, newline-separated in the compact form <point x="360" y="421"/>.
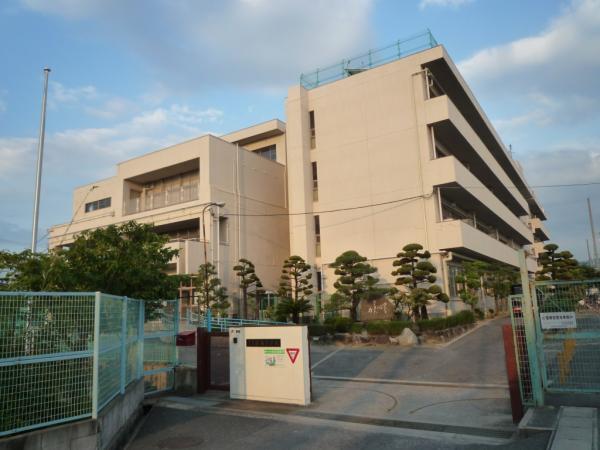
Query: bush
<point x="392" y="327"/>
<point x="357" y="327"/>
<point x="442" y="323"/>
<point x="317" y="329"/>
<point x="339" y="324"/>
<point x="479" y="313"/>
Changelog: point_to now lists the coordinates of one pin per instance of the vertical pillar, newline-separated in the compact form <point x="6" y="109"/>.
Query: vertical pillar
<point x="530" y="333"/>
<point x="123" y="382"/>
<point x="96" y="357"/>
<point x="140" y="337"/>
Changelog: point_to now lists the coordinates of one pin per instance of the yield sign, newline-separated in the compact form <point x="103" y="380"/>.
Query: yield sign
<point x="293" y="354"/>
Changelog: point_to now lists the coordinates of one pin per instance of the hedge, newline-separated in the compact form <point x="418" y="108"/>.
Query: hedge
<point x="441" y="323"/>
<point x="392" y="327"/>
<point x="339" y="324"/>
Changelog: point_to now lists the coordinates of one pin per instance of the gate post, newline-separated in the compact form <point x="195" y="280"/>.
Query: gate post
<point x="530" y="333"/>
<point x="202" y="360"/>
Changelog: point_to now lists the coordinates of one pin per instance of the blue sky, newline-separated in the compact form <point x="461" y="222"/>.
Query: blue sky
<point x="131" y="77"/>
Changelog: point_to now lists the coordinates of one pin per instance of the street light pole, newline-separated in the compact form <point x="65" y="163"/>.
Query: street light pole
<point x="38" y="173"/>
<point x="206" y="284"/>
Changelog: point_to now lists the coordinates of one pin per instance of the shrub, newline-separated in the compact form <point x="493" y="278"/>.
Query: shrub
<point x="392" y="327"/>
<point x="377" y="327"/>
<point x="479" y="313"/>
<point x="395" y="327"/>
<point x="357" y="327"/>
<point x="317" y="329"/>
<point x="442" y="323"/>
<point x="339" y="324"/>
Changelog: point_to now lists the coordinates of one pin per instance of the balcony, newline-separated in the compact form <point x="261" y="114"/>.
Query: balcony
<point x="539" y="230"/>
<point x="153" y="200"/>
<point x="458" y="186"/>
<point x="454" y="136"/>
<point x="457" y="235"/>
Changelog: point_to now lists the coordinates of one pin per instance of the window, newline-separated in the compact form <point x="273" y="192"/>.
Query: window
<point x="223" y="230"/>
<point x="97" y="204"/>
<point x="317" y="236"/>
<point x="311" y="124"/>
<point x="315" y="182"/>
<point x="269" y="152"/>
<point x="319" y="282"/>
<point x="454" y="271"/>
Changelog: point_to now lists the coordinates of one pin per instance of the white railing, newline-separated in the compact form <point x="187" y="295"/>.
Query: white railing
<point x="153" y="200"/>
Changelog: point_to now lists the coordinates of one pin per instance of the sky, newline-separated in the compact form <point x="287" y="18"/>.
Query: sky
<point x="131" y="77"/>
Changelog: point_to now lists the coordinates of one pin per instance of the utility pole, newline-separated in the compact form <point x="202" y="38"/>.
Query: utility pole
<point x="38" y="173"/>
<point x="594" y="243"/>
<point x="587" y="244"/>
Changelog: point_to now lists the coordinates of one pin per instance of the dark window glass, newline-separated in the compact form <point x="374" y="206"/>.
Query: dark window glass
<point x="269" y="152"/>
<point x="97" y="204"/>
<point x="317" y="225"/>
<point x="319" y="282"/>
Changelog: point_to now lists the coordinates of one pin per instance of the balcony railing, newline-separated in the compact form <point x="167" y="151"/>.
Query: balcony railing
<point x="168" y="197"/>
<point x="373" y="58"/>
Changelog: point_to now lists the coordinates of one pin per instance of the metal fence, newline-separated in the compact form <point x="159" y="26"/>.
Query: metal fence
<point x="64" y="356"/>
<point x="372" y="58"/>
<point x="557" y="338"/>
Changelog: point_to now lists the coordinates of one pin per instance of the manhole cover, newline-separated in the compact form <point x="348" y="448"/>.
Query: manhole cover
<point x="180" y="442"/>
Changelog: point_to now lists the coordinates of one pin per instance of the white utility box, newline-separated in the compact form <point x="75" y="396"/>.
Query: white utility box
<point x="270" y="364"/>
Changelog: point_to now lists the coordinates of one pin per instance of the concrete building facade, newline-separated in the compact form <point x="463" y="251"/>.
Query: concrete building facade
<point x="376" y="159"/>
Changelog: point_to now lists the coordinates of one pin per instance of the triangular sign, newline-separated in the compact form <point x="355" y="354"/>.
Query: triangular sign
<point x="293" y="354"/>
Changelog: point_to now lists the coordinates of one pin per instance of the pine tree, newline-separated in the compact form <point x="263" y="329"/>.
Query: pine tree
<point x="472" y="280"/>
<point x="355" y="282"/>
<point x="415" y="276"/>
<point x="246" y="271"/>
<point x="210" y="292"/>
<point x="556" y="265"/>
<point x="295" y="287"/>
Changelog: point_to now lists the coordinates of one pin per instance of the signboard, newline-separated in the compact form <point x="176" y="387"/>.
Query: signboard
<point x="558" y="320"/>
<point x="379" y="309"/>
<point x="293" y="353"/>
<point x="274" y="357"/>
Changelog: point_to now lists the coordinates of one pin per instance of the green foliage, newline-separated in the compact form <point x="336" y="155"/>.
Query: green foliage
<point x="128" y="260"/>
<point x="415" y="276"/>
<point x="249" y="283"/>
<point x="390" y="327"/>
<point x="295" y="287"/>
<point x="556" y="265"/>
<point x="499" y="279"/>
<point x="355" y="282"/>
<point x="211" y="295"/>
<point x="442" y="323"/>
<point x="317" y="329"/>
<point x="357" y="327"/>
<point x="339" y="324"/>
<point x="471" y="281"/>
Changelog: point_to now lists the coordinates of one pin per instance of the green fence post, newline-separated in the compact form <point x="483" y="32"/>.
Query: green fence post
<point x="530" y="333"/>
<point x="96" y="358"/>
<point x="140" y="355"/>
<point x="123" y="345"/>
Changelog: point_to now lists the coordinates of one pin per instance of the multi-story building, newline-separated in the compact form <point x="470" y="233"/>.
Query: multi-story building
<point x="377" y="152"/>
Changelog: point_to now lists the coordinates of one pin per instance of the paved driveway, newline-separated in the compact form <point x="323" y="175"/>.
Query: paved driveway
<point x="474" y="358"/>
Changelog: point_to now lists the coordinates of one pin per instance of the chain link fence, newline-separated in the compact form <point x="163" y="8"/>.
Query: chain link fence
<point x="64" y="356"/>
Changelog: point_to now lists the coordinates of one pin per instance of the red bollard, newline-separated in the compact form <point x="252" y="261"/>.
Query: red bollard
<point x="512" y="373"/>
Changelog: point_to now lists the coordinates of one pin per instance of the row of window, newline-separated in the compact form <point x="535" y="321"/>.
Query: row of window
<point x="97" y="204"/>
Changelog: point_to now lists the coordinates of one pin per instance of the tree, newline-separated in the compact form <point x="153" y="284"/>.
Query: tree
<point x="415" y="276"/>
<point x="127" y="260"/>
<point x="556" y="265"/>
<point x="354" y="282"/>
<point x="295" y="287"/>
<point x="210" y="292"/>
<point x="248" y="279"/>
<point x="499" y="279"/>
<point x="472" y="282"/>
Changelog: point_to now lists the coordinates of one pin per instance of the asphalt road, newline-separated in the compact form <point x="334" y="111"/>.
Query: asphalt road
<point x="475" y="358"/>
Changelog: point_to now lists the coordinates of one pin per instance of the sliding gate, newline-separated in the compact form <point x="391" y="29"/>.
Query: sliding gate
<point x="558" y="351"/>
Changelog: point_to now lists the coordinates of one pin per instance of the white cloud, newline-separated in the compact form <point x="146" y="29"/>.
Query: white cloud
<point x="561" y="60"/>
<point x="111" y="108"/>
<point x="70" y="95"/>
<point x="192" y="44"/>
<point x="444" y="3"/>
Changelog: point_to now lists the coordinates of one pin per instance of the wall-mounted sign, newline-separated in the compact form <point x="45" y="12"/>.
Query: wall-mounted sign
<point x="557" y="320"/>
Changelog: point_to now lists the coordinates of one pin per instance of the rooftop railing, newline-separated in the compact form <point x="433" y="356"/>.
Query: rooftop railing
<point x="372" y="58"/>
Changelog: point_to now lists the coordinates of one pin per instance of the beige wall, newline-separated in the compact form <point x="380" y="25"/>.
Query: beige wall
<point x="264" y="240"/>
